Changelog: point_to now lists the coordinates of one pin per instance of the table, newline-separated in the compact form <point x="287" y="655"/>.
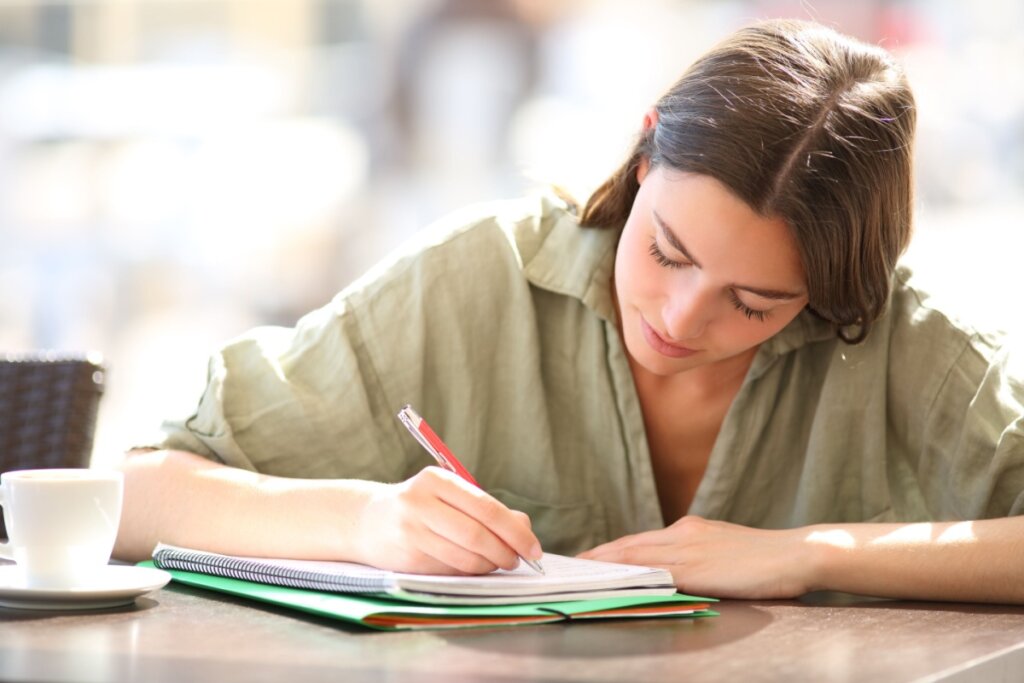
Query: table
<point x="188" y="634"/>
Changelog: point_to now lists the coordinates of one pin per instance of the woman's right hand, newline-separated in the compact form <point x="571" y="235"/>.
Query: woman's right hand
<point x="438" y="523"/>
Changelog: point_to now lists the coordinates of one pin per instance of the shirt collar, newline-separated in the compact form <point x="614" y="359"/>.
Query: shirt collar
<point x="806" y="328"/>
<point x="577" y="262"/>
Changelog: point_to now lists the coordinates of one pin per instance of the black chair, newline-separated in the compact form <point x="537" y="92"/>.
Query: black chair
<point x="48" y="405"/>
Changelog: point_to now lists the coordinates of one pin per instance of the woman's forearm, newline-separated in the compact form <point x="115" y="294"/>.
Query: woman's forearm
<point x="180" y="498"/>
<point x="434" y="522"/>
<point x="965" y="561"/>
<point x="979" y="561"/>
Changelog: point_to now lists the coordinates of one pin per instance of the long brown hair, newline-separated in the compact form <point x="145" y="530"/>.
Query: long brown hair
<point x="805" y="124"/>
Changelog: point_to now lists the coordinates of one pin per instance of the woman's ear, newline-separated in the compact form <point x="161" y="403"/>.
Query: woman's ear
<point x="650" y="121"/>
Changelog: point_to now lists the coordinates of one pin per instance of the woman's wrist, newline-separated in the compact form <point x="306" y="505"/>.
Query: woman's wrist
<point x="351" y="533"/>
<point x="827" y="548"/>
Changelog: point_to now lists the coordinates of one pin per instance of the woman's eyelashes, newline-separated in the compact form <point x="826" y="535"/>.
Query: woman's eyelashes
<point x="751" y="313"/>
<point x="663" y="260"/>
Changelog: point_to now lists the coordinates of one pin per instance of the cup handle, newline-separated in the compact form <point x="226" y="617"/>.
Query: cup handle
<point x="5" y="548"/>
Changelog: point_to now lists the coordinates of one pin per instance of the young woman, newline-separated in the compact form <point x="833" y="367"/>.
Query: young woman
<point x="716" y="367"/>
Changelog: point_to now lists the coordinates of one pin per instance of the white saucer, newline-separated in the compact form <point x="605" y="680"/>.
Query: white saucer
<point x="115" y="586"/>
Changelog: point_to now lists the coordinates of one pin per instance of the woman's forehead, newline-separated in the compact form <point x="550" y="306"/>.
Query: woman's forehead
<point x="721" y="233"/>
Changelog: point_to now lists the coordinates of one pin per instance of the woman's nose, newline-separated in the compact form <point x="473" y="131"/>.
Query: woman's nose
<point x="686" y="314"/>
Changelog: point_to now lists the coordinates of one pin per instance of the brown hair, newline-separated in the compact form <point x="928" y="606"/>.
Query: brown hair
<point x="805" y="124"/>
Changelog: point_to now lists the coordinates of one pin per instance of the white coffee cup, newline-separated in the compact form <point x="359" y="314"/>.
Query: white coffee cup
<point x="61" y="523"/>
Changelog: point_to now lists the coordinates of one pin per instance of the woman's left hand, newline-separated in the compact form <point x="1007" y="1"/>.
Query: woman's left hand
<point x="720" y="559"/>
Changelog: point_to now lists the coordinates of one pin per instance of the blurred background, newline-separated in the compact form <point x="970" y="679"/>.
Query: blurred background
<point x="173" y="172"/>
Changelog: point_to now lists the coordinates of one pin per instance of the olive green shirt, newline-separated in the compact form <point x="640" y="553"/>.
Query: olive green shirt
<point x="498" y="326"/>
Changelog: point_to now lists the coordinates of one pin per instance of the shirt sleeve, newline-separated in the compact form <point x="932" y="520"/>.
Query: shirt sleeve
<point x="972" y="462"/>
<point x="956" y="400"/>
<point x="302" y="402"/>
<point x="320" y="400"/>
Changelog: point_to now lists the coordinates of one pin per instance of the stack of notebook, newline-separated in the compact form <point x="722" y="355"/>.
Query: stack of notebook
<point x="570" y="589"/>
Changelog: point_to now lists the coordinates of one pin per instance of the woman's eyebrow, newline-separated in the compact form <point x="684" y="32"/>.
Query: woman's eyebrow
<point x="769" y="293"/>
<point x="674" y="242"/>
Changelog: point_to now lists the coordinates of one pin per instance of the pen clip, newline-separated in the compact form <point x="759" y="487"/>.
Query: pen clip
<point x="412" y="422"/>
<point x="433" y="443"/>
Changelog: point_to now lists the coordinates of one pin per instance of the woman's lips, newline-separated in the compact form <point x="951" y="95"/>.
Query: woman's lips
<point x="663" y="347"/>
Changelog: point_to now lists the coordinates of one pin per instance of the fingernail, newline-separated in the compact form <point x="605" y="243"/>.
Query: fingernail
<point x="535" y="552"/>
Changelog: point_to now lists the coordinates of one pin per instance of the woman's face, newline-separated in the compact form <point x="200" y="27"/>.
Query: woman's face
<point x="700" y="278"/>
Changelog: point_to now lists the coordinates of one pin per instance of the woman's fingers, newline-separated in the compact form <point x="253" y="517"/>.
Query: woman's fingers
<point x="641" y="554"/>
<point x="464" y="542"/>
<point x="716" y="558"/>
<point x="437" y="554"/>
<point x="457" y="525"/>
<point x="622" y="546"/>
<point x="511" y="529"/>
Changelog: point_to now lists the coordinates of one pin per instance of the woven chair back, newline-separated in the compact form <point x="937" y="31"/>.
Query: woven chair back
<point x="48" y="406"/>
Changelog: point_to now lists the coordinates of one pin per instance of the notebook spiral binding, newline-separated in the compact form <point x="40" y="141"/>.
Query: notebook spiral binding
<point x="252" y="570"/>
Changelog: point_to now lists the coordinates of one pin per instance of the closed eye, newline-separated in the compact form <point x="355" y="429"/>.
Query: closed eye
<point x="661" y="258"/>
<point x="751" y="313"/>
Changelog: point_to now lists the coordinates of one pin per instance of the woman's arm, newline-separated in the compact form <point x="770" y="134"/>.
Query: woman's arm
<point x="434" y="522"/>
<point x="980" y="561"/>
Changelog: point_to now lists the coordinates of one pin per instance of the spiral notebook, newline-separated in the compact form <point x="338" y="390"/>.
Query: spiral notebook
<point x="385" y="600"/>
<point x="565" y="579"/>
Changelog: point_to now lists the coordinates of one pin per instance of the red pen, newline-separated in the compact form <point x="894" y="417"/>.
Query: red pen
<point x="433" y="444"/>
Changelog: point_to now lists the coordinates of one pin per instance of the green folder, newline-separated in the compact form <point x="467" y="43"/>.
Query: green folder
<point x="390" y="615"/>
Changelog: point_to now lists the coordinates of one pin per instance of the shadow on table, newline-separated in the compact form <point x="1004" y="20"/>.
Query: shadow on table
<point x="619" y="638"/>
<point x="606" y="638"/>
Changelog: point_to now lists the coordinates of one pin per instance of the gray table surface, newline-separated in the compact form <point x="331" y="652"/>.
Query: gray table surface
<point x="187" y="634"/>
